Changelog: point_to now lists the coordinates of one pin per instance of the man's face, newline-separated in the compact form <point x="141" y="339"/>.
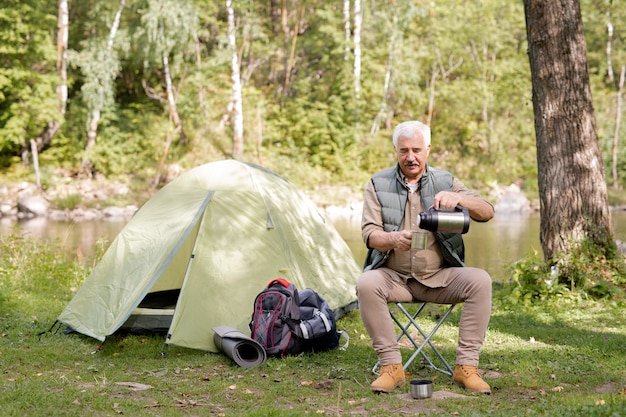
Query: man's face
<point x="412" y="155"/>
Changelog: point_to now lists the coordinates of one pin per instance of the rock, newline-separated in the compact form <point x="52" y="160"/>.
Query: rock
<point x="119" y="212"/>
<point x="6" y="210"/>
<point x="511" y="200"/>
<point x="32" y="206"/>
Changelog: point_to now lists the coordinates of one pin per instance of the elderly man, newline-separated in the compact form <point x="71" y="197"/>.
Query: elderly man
<point x="437" y="274"/>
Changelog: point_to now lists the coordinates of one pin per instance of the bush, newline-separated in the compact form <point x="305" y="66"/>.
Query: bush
<point x="589" y="270"/>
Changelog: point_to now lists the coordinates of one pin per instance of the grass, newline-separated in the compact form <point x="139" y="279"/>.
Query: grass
<point x="559" y="358"/>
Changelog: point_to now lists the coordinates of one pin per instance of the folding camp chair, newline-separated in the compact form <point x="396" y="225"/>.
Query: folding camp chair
<point x="419" y="347"/>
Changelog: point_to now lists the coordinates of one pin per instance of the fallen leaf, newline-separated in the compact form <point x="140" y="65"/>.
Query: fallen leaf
<point x="306" y="383"/>
<point x="232" y="387"/>
<point x="134" y="386"/>
<point x="557" y="389"/>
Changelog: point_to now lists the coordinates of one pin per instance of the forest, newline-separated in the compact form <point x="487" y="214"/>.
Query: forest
<point x="310" y="89"/>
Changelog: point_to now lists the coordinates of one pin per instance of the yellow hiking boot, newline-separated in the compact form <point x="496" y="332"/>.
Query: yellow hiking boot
<point x="390" y="377"/>
<point x="467" y="377"/>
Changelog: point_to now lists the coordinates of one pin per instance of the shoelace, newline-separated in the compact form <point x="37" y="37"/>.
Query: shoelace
<point x="469" y="371"/>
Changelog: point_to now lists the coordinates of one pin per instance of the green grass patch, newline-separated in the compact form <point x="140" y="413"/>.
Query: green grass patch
<point x="563" y="357"/>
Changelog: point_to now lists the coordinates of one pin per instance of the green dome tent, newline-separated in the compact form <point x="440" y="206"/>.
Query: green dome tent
<point x="198" y="252"/>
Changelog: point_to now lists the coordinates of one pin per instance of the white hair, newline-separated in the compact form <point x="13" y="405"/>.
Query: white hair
<point x="409" y="129"/>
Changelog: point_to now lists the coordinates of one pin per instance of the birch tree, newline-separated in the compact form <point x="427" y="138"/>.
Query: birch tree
<point x="101" y="66"/>
<point x="387" y="83"/>
<point x="62" y="42"/>
<point x="572" y="187"/>
<point x="347" y="29"/>
<point x="168" y="28"/>
<point x="618" y="120"/>
<point x="235" y="106"/>
<point x="358" y="24"/>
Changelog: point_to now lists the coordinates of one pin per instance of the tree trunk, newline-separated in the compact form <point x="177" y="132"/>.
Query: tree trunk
<point x="291" y="62"/>
<point x="94" y="118"/>
<point x="236" y="99"/>
<point x="618" y="120"/>
<point x="358" y="23"/>
<point x="347" y="31"/>
<point x="62" y="40"/>
<point x="572" y="186"/>
<point x="45" y="138"/>
<point x="383" y="109"/>
<point x="171" y="100"/>
<point x="609" y="45"/>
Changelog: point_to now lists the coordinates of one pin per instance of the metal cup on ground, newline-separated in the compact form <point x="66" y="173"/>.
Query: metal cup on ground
<point x="421" y="389"/>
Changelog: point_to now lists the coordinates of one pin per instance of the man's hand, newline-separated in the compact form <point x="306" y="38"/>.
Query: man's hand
<point x="478" y="208"/>
<point x="402" y="239"/>
<point x="446" y="199"/>
<point x="385" y="241"/>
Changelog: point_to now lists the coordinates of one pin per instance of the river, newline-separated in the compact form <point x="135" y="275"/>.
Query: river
<point x="492" y="246"/>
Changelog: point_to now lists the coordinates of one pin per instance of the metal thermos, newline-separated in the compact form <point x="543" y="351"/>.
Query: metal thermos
<point x="456" y="221"/>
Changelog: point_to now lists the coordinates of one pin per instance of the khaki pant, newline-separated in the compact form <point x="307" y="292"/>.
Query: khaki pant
<point x="471" y="286"/>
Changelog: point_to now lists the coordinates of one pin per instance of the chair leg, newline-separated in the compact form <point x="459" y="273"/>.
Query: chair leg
<point x="419" y="348"/>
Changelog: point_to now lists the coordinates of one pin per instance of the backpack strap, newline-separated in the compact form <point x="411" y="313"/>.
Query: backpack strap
<point x="343" y="334"/>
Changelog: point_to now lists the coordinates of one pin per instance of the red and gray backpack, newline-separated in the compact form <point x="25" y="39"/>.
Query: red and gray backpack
<point x="287" y="322"/>
<point x="276" y="317"/>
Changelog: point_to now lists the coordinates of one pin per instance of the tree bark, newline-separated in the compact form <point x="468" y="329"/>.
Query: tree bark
<point x="572" y="186"/>
<point x="618" y="120"/>
<point x="347" y="31"/>
<point x="236" y="98"/>
<point x="609" y="45"/>
<point x="62" y="41"/>
<point x="45" y="138"/>
<point x="383" y="109"/>
<point x="94" y="117"/>
<point x="291" y="62"/>
<point x="358" y="24"/>
<point x="171" y="100"/>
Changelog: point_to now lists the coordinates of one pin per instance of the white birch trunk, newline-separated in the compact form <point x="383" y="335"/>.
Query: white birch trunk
<point x="236" y="99"/>
<point x="388" y="74"/>
<point x="171" y="100"/>
<point x="94" y="118"/>
<point x="618" y="119"/>
<point x="346" y="20"/>
<point x="609" y="45"/>
<point x="62" y="41"/>
<point x="358" y="20"/>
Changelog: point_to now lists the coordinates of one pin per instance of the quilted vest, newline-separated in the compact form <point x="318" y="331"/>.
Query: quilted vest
<point x="393" y="196"/>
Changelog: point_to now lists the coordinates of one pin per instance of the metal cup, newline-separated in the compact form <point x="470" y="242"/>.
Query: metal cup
<point x="421" y="389"/>
<point x="419" y="240"/>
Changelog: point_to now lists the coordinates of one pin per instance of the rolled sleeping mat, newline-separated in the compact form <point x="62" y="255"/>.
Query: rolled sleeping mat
<point x="242" y="349"/>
